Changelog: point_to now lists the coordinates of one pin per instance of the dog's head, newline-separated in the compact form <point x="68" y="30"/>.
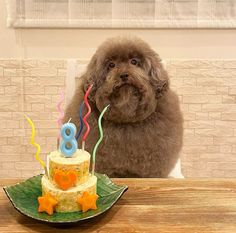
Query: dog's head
<point x="128" y="75"/>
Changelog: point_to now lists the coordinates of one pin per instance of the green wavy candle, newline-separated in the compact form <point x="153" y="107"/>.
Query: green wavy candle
<point x="101" y="137"/>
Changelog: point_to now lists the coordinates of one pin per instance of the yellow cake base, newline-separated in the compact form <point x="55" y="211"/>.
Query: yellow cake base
<point x="79" y="163"/>
<point x="67" y="200"/>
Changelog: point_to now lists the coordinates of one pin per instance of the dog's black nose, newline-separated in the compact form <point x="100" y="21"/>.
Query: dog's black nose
<point x="124" y="76"/>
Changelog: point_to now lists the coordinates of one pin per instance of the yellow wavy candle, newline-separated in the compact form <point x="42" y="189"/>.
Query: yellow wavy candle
<point x="34" y="143"/>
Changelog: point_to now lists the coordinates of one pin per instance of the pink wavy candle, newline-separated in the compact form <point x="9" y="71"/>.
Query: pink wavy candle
<point x="87" y="114"/>
<point x="59" y="120"/>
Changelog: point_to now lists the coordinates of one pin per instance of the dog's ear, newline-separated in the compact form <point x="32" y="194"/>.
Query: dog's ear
<point x="91" y="77"/>
<point x="95" y="74"/>
<point x="158" y="75"/>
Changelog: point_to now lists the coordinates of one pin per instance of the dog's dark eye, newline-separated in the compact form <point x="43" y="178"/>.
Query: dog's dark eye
<point x="112" y="65"/>
<point x="134" y="61"/>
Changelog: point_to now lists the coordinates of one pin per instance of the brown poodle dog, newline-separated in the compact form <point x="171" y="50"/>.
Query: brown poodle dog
<point x="143" y="127"/>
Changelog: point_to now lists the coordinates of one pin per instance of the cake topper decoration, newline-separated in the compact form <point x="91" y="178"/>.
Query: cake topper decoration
<point x="81" y="120"/>
<point x="59" y="120"/>
<point x="68" y="145"/>
<point x="86" y="116"/>
<point x="100" y="139"/>
<point x="36" y="144"/>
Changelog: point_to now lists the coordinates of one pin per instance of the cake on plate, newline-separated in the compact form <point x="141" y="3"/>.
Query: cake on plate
<point x="68" y="179"/>
<point x="67" y="185"/>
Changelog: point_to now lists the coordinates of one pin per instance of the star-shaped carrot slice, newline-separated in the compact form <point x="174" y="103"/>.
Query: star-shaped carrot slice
<point x="88" y="201"/>
<point x="47" y="203"/>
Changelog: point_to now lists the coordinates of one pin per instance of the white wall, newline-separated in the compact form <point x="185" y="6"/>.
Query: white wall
<point x="78" y="43"/>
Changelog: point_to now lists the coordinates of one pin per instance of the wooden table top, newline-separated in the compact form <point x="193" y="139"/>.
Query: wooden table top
<point x="150" y="205"/>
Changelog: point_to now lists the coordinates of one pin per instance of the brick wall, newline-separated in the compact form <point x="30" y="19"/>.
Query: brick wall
<point x="206" y="88"/>
<point x="207" y="91"/>
<point x="29" y="87"/>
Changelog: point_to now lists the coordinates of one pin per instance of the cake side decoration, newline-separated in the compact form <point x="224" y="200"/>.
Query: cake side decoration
<point x="47" y="203"/>
<point x="88" y="201"/>
<point x="65" y="180"/>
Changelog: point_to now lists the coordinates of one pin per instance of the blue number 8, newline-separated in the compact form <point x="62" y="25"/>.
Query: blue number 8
<point x="68" y="144"/>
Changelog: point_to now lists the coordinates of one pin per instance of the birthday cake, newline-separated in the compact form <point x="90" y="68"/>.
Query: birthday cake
<point x="68" y="179"/>
<point x="67" y="185"/>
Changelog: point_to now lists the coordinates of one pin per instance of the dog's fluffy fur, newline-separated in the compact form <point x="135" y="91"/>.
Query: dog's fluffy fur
<point x="143" y="127"/>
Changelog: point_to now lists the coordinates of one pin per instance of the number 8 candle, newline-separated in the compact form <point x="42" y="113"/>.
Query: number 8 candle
<point x="68" y="144"/>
